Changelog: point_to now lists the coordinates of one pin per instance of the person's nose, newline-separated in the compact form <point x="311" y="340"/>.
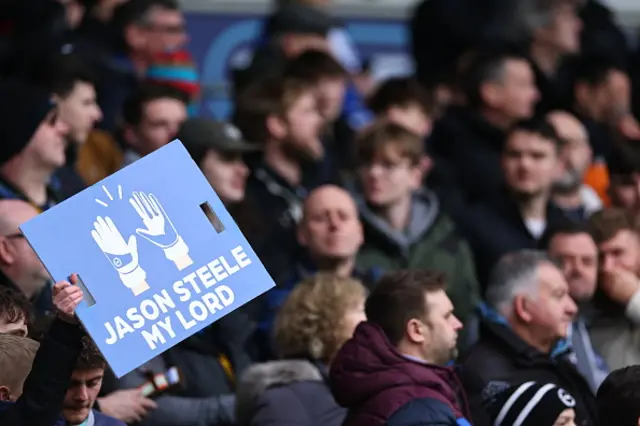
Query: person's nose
<point x="571" y="309"/>
<point x="62" y="127"/>
<point x="608" y="263"/>
<point x="98" y="114"/>
<point x="375" y="170"/>
<point x="333" y="220"/>
<point x="242" y="168"/>
<point x="81" y="393"/>
<point x="457" y="324"/>
<point x="572" y="267"/>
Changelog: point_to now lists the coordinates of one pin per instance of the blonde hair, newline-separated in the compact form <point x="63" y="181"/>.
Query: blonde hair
<point x="16" y="359"/>
<point x="310" y="322"/>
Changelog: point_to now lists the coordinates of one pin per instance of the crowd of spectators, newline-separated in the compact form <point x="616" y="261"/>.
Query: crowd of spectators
<point x="456" y="247"/>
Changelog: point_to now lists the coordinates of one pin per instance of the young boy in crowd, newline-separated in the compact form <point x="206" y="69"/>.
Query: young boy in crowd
<point x="34" y="378"/>
<point x="530" y="404"/>
<point x="404" y="226"/>
<point x="86" y="382"/>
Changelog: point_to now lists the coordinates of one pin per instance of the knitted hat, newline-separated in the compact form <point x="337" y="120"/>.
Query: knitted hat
<point x="23" y="108"/>
<point x="529" y="404"/>
<point x="176" y="69"/>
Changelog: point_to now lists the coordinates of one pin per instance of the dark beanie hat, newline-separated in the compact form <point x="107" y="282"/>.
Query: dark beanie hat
<point x="22" y="108"/>
<point x="528" y="404"/>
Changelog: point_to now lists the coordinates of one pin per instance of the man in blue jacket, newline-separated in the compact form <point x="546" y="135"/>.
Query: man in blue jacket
<point x="33" y="380"/>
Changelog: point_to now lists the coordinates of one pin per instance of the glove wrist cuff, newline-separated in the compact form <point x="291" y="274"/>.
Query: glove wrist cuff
<point x="177" y="250"/>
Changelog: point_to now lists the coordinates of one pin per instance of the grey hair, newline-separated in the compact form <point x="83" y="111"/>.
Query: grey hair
<point x="516" y="273"/>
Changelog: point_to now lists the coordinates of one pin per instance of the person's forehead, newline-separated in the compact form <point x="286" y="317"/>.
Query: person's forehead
<point x="438" y="301"/>
<point x="16" y="212"/>
<point x="305" y="99"/>
<point x="82" y="88"/>
<point x="522" y="139"/>
<point x="158" y="15"/>
<point x="83" y="375"/>
<point x="164" y="106"/>
<point x="516" y="67"/>
<point x="621" y="239"/>
<point x="329" y="199"/>
<point x="581" y="243"/>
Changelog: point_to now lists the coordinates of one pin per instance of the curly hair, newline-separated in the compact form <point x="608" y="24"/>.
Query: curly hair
<point x="14" y="306"/>
<point x="90" y="356"/>
<point x="310" y="322"/>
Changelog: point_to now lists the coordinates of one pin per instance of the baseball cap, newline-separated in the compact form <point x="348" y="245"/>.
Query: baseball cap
<point x="198" y="135"/>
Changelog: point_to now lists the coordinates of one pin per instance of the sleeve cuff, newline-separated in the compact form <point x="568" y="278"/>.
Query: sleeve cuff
<point x="632" y="311"/>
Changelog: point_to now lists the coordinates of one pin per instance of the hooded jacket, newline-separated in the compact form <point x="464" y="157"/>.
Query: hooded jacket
<point x="287" y="392"/>
<point x="430" y="241"/>
<point x="380" y="386"/>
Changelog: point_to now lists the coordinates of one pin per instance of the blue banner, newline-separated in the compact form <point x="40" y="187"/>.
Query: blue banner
<point x="158" y="254"/>
<point x="220" y="42"/>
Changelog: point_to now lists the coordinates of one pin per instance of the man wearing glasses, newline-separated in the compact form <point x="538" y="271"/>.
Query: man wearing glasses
<point x="33" y="146"/>
<point x="20" y="267"/>
<point x="577" y="200"/>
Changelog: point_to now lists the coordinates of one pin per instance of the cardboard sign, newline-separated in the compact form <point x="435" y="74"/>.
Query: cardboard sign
<point x="158" y="254"/>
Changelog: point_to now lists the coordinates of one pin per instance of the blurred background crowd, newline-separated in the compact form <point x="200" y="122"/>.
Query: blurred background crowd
<point x="454" y="236"/>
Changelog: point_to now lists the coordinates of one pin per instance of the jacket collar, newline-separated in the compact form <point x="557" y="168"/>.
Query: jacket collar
<point x="496" y="326"/>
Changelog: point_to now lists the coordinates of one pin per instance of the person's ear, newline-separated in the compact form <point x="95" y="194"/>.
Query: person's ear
<point x="5" y="393"/>
<point x="276" y="127"/>
<point x="7" y="252"/>
<point x="417" y="176"/>
<point x="491" y="94"/>
<point x="582" y="93"/>
<point x="416" y="331"/>
<point x="301" y="234"/>
<point x="520" y="308"/>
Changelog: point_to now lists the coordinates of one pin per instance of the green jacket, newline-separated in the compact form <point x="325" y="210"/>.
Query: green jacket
<point x="429" y="242"/>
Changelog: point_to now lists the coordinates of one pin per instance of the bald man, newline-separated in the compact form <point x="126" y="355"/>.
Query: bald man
<point x="330" y="230"/>
<point x="331" y="234"/>
<point x="20" y="267"/>
<point x="577" y="200"/>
